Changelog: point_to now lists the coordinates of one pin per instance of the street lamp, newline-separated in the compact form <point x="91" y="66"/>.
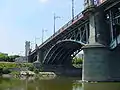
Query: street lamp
<point x="72" y="9"/>
<point x="43" y="30"/>
<point x="55" y="17"/>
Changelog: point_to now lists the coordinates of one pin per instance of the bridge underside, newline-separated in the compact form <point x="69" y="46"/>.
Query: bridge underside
<point x="62" y="52"/>
<point x="59" y="58"/>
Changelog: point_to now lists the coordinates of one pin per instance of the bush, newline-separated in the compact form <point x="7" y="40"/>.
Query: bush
<point x="1" y="71"/>
<point x="6" y="71"/>
<point x="36" y="71"/>
<point x="6" y="66"/>
<point x="5" y="57"/>
<point x="31" y="68"/>
<point x="77" y="60"/>
<point x="14" y="73"/>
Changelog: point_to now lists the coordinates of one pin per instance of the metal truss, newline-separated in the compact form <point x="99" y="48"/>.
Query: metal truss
<point x="113" y="19"/>
<point x="80" y="34"/>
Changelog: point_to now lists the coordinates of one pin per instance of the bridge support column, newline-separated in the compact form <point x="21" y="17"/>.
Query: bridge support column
<point x="114" y="65"/>
<point x="101" y="64"/>
<point x="96" y="55"/>
<point x="40" y="56"/>
<point x="95" y="65"/>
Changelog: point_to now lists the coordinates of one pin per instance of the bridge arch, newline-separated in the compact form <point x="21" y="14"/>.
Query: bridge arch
<point x="61" y="52"/>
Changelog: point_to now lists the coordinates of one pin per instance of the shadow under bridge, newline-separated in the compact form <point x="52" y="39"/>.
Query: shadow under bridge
<point x="63" y="52"/>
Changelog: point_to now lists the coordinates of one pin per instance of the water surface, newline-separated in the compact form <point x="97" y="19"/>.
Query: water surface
<point x="55" y="84"/>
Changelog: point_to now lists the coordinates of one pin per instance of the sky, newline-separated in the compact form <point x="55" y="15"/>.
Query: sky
<point x="23" y="20"/>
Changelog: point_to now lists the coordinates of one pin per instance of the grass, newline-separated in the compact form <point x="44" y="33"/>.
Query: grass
<point x="14" y="65"/>
<point x="7" y="67"/>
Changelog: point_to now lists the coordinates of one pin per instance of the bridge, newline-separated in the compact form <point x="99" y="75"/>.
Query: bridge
<point x="96" y="31"/>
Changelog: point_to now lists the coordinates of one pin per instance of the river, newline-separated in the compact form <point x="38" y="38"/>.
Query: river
<point x="64" y="83"/>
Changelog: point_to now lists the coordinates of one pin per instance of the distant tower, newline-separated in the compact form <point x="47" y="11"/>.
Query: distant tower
<point x="27" y="49"/>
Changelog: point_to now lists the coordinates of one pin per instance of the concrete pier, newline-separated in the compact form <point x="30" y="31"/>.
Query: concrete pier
<point x="114" y="65"/>
<point x="95" y="65"/>
<point x="100" y="63"/>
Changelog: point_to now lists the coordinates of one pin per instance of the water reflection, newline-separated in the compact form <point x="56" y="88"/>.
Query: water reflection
<point x="55" y="84"/>
<point x="102" y="86"/>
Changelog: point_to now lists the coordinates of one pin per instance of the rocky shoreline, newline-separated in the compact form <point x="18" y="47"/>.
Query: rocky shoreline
<point x="31" y="75"/>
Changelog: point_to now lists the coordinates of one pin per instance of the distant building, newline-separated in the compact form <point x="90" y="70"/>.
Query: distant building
<point x="21" y="59"/>
<point x="27" y="49"/>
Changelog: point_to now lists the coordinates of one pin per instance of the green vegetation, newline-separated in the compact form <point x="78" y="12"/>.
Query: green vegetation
<point x="14" y="65"/>
<point x="5" y="57"/>
<point x="34" y="69"/>
<point x="5" y="67"/>
<point x="77" y="60"/>
<point x="15" y="73"/>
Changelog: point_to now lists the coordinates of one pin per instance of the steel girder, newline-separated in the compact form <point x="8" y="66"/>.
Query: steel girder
<point x="62" y="51"/>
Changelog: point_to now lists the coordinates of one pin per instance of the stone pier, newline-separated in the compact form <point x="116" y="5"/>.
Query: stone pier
<point x="100" y="63"/>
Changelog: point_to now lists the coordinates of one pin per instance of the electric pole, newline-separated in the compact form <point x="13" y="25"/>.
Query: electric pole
<point x="55" y="17"/>
<point x="72" y="9"/>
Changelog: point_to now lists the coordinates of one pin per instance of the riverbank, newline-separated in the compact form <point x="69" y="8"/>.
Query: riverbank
<point x="23" y="70"/>
<point x="8" y="67"/>
<point x="32" y="75"/>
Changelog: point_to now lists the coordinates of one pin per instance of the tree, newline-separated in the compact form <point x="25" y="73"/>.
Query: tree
<point x="12" y="58"/>
<point x="5" y="57"/>
<point x="77" y="60"/>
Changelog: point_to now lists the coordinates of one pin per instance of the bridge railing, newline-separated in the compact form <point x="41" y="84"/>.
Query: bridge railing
<point x="99" y="2"/>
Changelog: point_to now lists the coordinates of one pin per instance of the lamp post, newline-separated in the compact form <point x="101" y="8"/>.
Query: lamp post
<point x="43" y="30"/>
<point x="55" y="17"/>
<point x="72" y="9"/>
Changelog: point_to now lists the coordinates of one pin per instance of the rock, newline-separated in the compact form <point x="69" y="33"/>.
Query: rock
<point x="6" y="76"/>
<point x="27" y="73"/>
